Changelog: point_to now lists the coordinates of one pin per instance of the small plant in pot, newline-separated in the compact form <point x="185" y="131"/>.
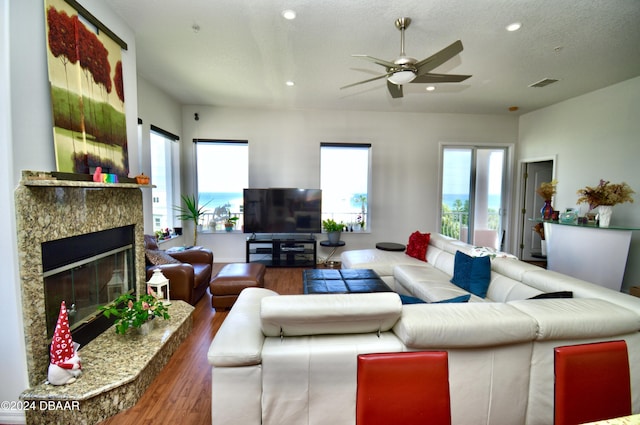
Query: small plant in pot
<point x="190" y="211"/>
<point x="132" y="313"/>
<point x="230" y="223"/>
<point x="333" y="229"/>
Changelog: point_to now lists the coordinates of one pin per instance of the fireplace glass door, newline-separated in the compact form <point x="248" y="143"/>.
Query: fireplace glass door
<point x="87" y="285"/>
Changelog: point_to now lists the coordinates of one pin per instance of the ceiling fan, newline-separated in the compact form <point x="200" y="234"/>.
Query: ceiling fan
<point x="406" y="69"/>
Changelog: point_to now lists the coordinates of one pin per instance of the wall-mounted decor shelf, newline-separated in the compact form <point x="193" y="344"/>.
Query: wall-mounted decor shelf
<point x="49" y="179"/>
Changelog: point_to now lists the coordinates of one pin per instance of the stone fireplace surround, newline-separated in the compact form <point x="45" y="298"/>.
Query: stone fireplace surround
<point x="117" y="368"/>
<point x="49" y="209"/>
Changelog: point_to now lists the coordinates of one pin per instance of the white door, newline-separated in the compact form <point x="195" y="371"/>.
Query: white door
<point x="534" y="174"/>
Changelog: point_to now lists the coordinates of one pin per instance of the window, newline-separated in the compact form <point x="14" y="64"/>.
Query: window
<point x="223" y="173"/>
<point x="344" y="180"/>
<point x="165" y="158"/>
<point x="472" y="201"/>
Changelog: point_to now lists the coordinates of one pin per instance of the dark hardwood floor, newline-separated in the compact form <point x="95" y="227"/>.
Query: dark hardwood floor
<point x="181" y="393"/>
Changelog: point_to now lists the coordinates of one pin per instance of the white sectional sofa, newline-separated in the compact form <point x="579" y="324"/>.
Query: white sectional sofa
<point x="291" y="359"/>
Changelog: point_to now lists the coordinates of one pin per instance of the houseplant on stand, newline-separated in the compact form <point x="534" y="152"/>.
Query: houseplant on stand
<point x="190" y="211"/>
<point x="333" y="230"/>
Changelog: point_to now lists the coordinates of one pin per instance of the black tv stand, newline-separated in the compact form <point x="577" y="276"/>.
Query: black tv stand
<point x="276" y="250"/>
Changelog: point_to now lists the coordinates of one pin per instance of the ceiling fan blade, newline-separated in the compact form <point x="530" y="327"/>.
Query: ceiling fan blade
<point x="440" y="78"/>
<point x="439" y="58"/>
<point x="394" y="89"/>
<point x="367" y="81"/>
<point x="381" y="62"/>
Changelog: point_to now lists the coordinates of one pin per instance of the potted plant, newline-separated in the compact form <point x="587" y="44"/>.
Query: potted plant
<point x="604" y="196"/>
<point x="333" y="229"/>
<point x="229" y="223"/>
<point x="190" y="211"/>
<point x="132" y="313"/>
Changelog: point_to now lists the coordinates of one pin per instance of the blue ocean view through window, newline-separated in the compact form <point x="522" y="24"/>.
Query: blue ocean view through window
<point x="450" y="199"/>
<point x="213" y="200"/>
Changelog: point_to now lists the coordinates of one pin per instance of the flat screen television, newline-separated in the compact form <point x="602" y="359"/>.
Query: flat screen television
<point x="282" y="210"/>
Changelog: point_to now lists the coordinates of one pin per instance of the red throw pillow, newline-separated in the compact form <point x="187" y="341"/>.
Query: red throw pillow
<point x="418" y="244"/>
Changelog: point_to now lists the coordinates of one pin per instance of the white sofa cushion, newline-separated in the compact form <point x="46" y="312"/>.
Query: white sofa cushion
<point x="469" y="325"/>
<point x="503" y="288"/>
<point x="512" y="268"/>
<point x="573" y="318"/>
<point x="427" y="283"/>
<point x="312" y="379"/>
<point x="448" y="244"/>
<point x="382" y="262"/>
<point x="318" y="314"/>
<point x="550" y="281"/>
<point x="233" y="348"/>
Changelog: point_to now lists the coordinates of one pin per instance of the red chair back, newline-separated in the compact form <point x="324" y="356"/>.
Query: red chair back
<point x="592" y="382"/>
<point x="403" y="388"/>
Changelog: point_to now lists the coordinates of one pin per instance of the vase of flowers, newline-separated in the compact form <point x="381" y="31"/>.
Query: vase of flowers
<point x="604" y="196"/>
<point x="132" y="313"/>
<point x="546" y="192"/>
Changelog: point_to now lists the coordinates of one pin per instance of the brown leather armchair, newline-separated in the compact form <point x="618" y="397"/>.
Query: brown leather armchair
<point x="188" y="271"/>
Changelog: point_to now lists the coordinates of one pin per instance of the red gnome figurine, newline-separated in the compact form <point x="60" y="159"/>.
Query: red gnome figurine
<point x="65" y="364"/>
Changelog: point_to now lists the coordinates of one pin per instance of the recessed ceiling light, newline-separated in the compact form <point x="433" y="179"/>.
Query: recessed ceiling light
<point x="289" y="14"/>
<point x="290" y="83"/>
<point x="514" y="27"/>
<point x="431" y="88"/>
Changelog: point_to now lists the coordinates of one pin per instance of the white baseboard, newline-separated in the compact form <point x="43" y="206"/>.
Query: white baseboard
<point x="12" y="417"/>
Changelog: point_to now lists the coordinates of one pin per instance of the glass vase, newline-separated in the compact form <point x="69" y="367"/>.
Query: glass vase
<point x="547" y="210"/>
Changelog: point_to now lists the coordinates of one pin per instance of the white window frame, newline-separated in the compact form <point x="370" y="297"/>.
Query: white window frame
<point x="240" y="178"/>
<point x="354" y="215"/>
<point x="171" y="178"/>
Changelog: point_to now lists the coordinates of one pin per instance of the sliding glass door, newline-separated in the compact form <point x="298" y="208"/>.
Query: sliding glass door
<point x="473" y="194"/>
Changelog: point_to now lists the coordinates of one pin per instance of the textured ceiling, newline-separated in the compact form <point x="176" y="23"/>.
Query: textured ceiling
<point x="244" y="51"/>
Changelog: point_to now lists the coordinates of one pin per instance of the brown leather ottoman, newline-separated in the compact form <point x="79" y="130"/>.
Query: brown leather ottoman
<point x="231" y="280"/>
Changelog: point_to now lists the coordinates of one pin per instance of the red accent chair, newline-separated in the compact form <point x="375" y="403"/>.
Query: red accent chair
<point x="592" y="382"/>
<point x="403" y="388"/>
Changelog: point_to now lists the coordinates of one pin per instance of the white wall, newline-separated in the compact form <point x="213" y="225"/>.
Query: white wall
<point x="157" y="108"/>
<point x="26" y="140"/>
<point x="13" y="368"/>
<point x="284" y="151"/>
<point x="595" y="136"/>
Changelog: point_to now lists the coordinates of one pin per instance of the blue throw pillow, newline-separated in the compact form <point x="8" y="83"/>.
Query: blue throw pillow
<point x="458" y="299"/>
<point x="406" y="299"/>
<point x="472" y="274"/>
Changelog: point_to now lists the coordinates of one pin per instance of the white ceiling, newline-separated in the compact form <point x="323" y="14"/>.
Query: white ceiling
<point x="244" y="51"/>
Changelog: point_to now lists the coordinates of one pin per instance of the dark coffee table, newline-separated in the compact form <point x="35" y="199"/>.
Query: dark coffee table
<point x="343" y="281"/>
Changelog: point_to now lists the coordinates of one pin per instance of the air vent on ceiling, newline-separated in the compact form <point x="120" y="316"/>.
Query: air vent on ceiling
<point x="544" y="82"/>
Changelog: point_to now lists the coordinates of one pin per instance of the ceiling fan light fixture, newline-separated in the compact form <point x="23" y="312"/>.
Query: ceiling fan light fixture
<point x="402" y="77"/>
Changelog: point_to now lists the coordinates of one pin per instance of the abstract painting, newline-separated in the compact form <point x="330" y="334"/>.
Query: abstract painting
<point x="87" y="94"/>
